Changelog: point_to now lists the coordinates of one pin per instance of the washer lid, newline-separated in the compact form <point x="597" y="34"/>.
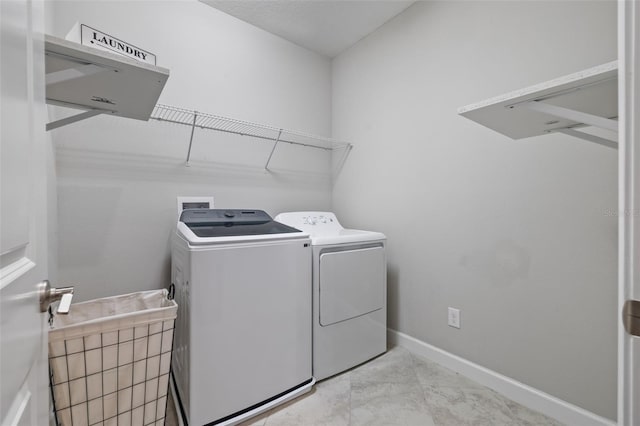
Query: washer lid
<point x="207" y="223"/>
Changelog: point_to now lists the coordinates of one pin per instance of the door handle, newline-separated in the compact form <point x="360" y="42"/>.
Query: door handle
<point x="49" y="294"/>
<point x="631" y="317"/>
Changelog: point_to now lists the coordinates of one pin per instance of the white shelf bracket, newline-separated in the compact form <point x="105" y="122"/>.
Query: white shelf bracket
<point x="343" y="160"/>
<point x="266" y="166"/>
<point x="570" y="114"/>
<point x="591" y="138"/>
<point x="74" y="118"/>
<point x="193" y="128"/>
<point x="73" y="73"/>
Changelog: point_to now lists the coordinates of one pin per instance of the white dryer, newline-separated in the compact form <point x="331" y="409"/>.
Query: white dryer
<point x="349" y="292"/>
<point x="243" y="333"/>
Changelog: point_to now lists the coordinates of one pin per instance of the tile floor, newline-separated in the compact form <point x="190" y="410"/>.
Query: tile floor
<point x="399" y="388"/>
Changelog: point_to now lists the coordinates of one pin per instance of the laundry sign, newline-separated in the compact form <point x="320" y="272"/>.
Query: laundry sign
<point x="92" y="37"/>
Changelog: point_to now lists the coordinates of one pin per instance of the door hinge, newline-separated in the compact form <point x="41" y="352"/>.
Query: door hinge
<point x="631" y="317"/>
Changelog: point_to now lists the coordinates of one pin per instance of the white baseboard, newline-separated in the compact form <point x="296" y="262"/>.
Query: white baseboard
<point x="519" y="392"/>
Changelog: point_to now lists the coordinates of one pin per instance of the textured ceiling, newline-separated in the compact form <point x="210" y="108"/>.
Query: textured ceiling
<point x="324" y="26"/>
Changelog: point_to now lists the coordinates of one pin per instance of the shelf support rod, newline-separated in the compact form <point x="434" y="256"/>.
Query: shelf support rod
<point x="266" y="166"/>
<point x="591" y="138"/>
<point x="74" y="118"/>
<point x="570" y="114"/>
<point x="193" y="128"/>
<point x="343" y="159"/>
<point x="73" y="73"/>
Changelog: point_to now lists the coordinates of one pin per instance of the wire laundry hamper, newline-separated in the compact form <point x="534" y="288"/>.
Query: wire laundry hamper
<point x="110" y="358"/>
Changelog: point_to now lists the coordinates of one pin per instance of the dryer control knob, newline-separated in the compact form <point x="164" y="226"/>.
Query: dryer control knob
<point x="229" y="214"/>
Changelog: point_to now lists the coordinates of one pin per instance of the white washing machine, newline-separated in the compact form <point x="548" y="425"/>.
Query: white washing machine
<point x="243" y="333"/>
<point x="349" y="292"/>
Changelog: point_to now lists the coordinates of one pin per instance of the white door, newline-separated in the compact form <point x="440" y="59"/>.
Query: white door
<point x="23" y="232"/>
<point x="629" y="198"/>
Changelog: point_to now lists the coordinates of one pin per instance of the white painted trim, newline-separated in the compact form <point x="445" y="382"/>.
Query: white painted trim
<point x="629" y="201"/>
<point x="519" y="392"/>
<point x="15" y="270"/>
<point x="15" y="414"/>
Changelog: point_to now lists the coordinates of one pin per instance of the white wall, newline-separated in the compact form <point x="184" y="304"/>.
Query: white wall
<point x="514" y="233"/>
<point x="118" y="179"/>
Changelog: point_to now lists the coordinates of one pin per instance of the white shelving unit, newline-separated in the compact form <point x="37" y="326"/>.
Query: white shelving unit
<point x="566" y="105"/>
<point x="99" y="82"/>
<point x="196" y="119"/>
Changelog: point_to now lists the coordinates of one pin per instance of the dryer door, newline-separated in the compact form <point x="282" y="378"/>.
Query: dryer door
<point x="352" y="283"/>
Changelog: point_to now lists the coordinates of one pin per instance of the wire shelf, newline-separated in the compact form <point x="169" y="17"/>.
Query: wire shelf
<point x="196" y="119"/>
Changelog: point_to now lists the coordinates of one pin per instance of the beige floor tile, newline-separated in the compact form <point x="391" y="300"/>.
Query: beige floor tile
<point x="430" y="373"/>
<point x="395" y="366"/>
<point x="467" y="406"/>
<point x="528" y="417"/>
<point x="327" y="405"/>
<point x="398" y="388"/>
<point x="256" y="421"/>
<point x="389" y="404"/>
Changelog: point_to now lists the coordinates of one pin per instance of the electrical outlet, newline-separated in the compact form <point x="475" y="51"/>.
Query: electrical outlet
<point x="454" y="317"/>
